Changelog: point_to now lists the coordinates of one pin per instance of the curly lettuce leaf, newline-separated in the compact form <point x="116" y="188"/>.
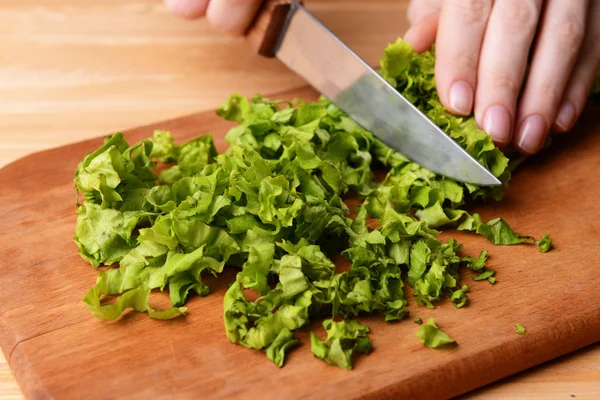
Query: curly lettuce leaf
<point x="116" y="170"/>
<point x="277" y="349"/>
<point x="498" y="232"/>
<point x="343" y="339"/>
<point x="137" y="299"/>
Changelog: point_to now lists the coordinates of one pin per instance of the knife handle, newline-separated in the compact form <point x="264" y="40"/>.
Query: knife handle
<point x="267" y="25"/>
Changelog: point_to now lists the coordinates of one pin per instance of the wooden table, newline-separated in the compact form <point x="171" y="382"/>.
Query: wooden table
<point x="75" y="69"/>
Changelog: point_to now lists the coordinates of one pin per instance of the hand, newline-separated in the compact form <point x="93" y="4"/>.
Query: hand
<point x="227" y="16"/>
<point x="483" y="64"/>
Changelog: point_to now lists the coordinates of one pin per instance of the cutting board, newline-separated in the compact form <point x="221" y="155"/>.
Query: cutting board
<point x="57" y="349"/>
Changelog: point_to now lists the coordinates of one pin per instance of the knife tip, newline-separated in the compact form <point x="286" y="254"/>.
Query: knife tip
<point x="489" y="180"/>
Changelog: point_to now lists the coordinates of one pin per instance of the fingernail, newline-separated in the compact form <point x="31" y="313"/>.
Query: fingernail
<point x="532" y="133"/>
<point x="461" y="97"/>
<point x="497" y="124"/>
<point x="566" y="115"/>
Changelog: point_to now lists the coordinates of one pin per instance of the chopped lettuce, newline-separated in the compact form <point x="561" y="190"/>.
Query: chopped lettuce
<point x="433" y="337"/>
<point x="520" y="329"/>
<point x="343" y="339"/>
<point x="274" y="207"/>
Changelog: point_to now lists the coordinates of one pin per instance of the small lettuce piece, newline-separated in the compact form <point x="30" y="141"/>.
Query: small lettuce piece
<point x="261" y="249"/>
<point x="278" y="348"/>
<point x="105" y="236"/>
<point x="441" y="272"/>
<point x="267" y="322"/>
<point x="137" y="299"/>
<point x="484" y="275"/>
<point x="291" y="277"/>
<point x="459" y="297"/>
<point x="545" y="243"/>
<point x="520" y="329"/>
<point x="418" y="320"/>
<point x="314" y="263"/>
<point x="113" y="172"/>
<point x="164" y="148"/>
<point x="236" y="310"/>
<point x="498" y="232"/>
<point x="477" y="264"/>
<point x="419" y="258"/>
<point x="433" y="337"/>
<point x="343" y="339"/>
<point x="190" y="157"/>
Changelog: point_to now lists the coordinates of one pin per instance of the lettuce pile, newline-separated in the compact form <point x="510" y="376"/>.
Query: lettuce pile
<point x="279" y="205"/>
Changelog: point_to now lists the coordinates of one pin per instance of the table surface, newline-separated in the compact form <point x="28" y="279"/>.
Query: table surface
<point x="76" y="69"/>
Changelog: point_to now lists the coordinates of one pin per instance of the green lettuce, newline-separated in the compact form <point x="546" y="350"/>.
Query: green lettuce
<point x="137" y="299"/>
<point x="433" y="337"/>
<point x="299" y="186"/>
<point x="343" y="339"/>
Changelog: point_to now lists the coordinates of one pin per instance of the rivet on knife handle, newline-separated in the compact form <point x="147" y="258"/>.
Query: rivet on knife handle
<point x="264" y="32"/>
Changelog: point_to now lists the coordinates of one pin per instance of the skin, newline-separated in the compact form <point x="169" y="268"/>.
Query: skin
<point x="522" y="67"/>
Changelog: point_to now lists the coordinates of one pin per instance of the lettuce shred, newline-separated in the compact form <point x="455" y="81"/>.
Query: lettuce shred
<point x="279" y="205"/>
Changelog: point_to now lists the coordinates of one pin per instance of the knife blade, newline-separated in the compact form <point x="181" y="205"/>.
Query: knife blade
<point x="301" y="42"/>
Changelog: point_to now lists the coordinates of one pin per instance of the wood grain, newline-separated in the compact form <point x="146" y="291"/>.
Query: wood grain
<point x="75" y="69"/>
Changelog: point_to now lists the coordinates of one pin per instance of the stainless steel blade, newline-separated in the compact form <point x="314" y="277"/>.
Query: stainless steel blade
<point x="307" y="47"/>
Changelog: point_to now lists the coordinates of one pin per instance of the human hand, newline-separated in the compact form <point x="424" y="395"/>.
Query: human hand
<point x="228" y="16"/>
<point x="523" y="66"/>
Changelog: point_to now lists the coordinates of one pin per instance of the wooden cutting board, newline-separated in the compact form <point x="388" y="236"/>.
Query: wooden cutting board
<point x="57" y="349"/>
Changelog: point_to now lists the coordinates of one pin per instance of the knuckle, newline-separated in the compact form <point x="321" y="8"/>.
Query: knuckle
<point x="466" y="62"/>
<point x="417" y="9"/>
<point x="570" y="30"/>
<point x="549" y="94"/>
<point x="506" y="84"/>
<point x="473" y="11"/>
<point x="521" y="14"/>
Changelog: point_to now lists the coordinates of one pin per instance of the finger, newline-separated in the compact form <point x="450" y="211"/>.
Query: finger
<point x="460" y="34"/>
<point x="422" y="34"/>
<point x="560" y="37"/>
<point x="232" y="16"/>
<point x="187" y="8"/>
<point x="419" y="9"/>
<point x="502" y="65"/>
<point x="583" y="75"/>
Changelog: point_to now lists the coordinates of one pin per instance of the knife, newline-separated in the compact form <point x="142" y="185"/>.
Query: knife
<point x="286" y="30"/>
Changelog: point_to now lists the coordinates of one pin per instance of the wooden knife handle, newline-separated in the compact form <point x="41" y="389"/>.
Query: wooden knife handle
<point x="267" y="25"/>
